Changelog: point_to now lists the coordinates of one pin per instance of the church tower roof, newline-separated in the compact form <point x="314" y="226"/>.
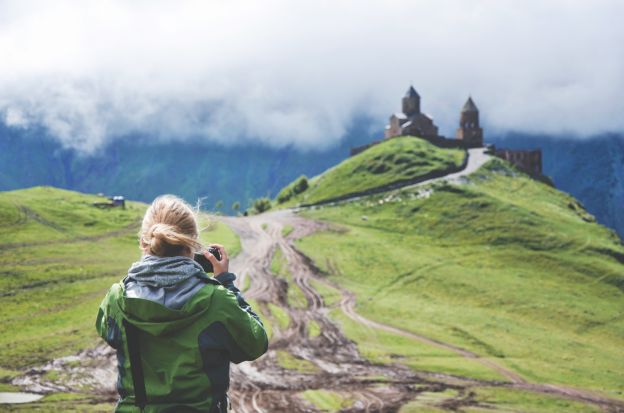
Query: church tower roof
<point x="411" y="93"/>
<point x="470" y="106"/>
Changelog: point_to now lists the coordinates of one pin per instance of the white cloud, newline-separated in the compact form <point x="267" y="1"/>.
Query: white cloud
<point x="283" y="71"/>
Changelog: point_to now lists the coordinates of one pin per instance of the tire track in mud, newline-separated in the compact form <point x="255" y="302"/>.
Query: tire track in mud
<point x="342" y="367"/>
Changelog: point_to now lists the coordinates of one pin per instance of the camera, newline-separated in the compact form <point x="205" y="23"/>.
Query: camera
<point x="203" y="261"/>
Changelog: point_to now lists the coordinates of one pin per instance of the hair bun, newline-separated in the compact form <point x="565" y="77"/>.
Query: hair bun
<point x="160" y="237"/>
<point x="169" y="228"/>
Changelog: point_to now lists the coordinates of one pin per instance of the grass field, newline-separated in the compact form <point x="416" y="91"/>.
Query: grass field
<point x="392" y="160"/>
<point x="58" y="256"/>
<point x="504" y="266"/>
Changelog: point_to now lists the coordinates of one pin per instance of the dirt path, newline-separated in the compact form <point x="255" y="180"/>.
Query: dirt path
<point x="375" y="388"/>
<point x="265" y="385"/>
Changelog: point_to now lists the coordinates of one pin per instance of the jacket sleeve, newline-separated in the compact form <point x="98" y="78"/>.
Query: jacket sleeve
<point x="105" y="324"/>
<point x="227" y="280"/>
<point x="247" y="338"/>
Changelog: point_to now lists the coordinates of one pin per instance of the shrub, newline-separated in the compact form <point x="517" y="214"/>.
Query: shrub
<point x="261" y="204"/>
<point x="300" y="185"/>
<point x="295" y="188"/>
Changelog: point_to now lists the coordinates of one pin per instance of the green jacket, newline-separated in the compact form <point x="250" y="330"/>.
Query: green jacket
<point x="188" y="331"/>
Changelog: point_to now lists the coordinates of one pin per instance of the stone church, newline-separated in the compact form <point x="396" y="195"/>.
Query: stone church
<point x="411" y="121"/>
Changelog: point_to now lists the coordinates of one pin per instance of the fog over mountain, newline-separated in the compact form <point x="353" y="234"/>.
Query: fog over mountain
<point x="285" y="73"/>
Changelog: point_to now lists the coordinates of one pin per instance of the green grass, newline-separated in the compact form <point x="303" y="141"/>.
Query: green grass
<point x="288" y="361"/>
<point x="216" y="232"/>
<point x="331" y="296"/>
<point x="504" y="266"/>
<point x="505" y="399"/>
<point x="429" y="402"/>
<point x="69" y="254"/>
<point x="314" y="329"/>
<point x="280" y="315"/>
<point x="392" y="160"/>
<point x="287" y="230"/>
<point x="279" y="267"/>
<point x="387" y="348"/>
<point x="327" y="400"/>
<point x="58" y="257"/>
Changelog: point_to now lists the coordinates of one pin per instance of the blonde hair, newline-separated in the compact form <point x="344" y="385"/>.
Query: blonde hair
<point x="169" y="228"/>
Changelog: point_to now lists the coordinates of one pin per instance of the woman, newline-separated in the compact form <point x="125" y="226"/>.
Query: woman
<point x="176" y="329"/>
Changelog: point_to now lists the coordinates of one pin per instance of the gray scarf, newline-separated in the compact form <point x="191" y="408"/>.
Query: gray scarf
<point x="156" y="271"/>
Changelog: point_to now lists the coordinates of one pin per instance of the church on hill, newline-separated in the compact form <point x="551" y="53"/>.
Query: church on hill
<point x="411" y="121"/>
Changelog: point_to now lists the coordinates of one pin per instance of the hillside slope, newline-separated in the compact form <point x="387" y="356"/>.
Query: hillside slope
<point x="58" y="256"/>
<point x="392" y="161"/>
<point x="591" y="169"/>
<point x="503" y="266"/>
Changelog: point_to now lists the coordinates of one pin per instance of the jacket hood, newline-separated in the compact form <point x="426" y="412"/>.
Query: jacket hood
<point x="163" y="271"/>
<point x="164" y="294"/>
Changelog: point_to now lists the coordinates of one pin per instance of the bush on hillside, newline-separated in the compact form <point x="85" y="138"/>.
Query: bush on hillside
<point x="261" y="204"/>
<point x="295" y="188"/>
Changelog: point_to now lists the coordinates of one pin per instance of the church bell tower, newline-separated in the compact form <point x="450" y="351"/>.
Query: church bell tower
<point x="411" y="102"/>
<point x="469" y="130"/>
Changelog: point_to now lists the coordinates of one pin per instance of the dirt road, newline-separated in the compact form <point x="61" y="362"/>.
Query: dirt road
<point x="265" y="386"/>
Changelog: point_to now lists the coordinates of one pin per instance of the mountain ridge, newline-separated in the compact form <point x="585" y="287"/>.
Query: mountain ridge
<point x="30" y="158"/>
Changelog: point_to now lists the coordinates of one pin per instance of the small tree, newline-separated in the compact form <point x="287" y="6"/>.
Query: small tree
<point x="284" y="195"/>
<point x="300" y="185"/>
<point x="219" y="205"/>
<point x="261" y="205"/>
<point x="236" y="206"/>
<point x="295" y="188"/>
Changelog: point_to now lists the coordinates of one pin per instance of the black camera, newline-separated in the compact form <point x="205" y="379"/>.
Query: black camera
<point x="204" y="262"/>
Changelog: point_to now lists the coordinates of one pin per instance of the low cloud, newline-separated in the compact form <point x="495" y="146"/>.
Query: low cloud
<point x="283" y="72"/>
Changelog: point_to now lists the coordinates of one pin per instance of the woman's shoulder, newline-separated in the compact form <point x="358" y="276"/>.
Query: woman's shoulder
<point x="115" y="292"/>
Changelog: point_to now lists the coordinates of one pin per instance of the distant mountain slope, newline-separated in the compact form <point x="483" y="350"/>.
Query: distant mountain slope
<point x="504" y="266"/>
<point x="139" y="168"/>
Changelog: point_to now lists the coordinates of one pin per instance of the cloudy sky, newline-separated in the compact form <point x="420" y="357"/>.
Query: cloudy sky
<point x="283" y="71"/>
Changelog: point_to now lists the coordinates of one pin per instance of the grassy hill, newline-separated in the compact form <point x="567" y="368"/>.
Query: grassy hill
<point x="391" y="161"/>
<point x="58" y="256"/>
<point x="504" y="266"/>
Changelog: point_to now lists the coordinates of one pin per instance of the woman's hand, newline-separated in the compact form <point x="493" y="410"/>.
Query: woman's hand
<point x="219" y="266"/>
